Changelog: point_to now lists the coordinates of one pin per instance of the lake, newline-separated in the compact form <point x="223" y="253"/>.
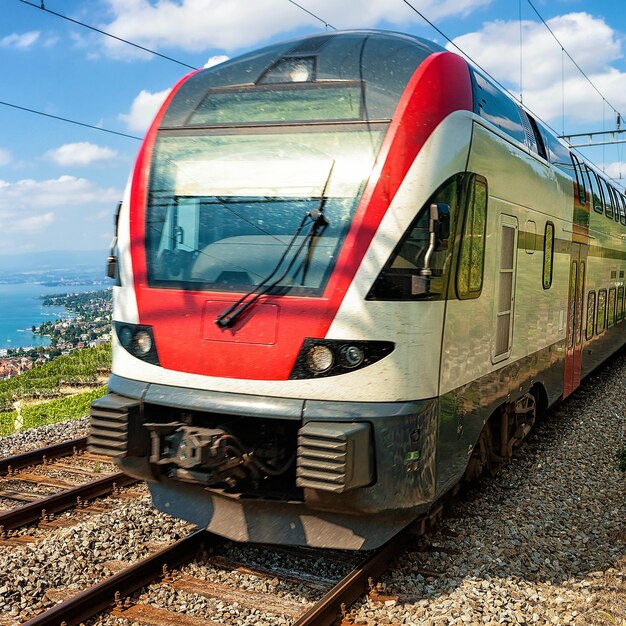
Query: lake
<point x="21" y="307"/>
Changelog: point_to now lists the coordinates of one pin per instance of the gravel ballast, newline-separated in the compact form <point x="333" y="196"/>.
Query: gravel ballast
<point x="541" y="542"/>
<point x="33" y="438"/>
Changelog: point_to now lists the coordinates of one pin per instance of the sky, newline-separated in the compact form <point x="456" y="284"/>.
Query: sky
<point x="60" y="183"/>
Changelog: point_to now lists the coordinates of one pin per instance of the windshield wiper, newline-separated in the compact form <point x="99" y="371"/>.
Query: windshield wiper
<point x="227" y="318"/>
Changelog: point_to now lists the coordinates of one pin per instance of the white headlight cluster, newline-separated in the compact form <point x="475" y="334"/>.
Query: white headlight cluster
<point x="330" y="357"/>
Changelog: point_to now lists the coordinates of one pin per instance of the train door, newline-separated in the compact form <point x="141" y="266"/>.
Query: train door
<point x="505" y="291"/>
<point x="574" y="337"/>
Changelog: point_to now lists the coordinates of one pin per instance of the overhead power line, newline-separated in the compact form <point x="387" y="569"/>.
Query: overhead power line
<point x="571" y="58"/>
<point x="69" y="121"/>
<point x="317" y="17"/>
<point x="41" y="7"/>
<point x="467" y="56"/>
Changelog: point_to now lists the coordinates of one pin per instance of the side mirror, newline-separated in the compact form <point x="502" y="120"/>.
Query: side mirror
<point x="112" y="258"/>
<point x="112" y="267"/>
<point x="442" y="225"/>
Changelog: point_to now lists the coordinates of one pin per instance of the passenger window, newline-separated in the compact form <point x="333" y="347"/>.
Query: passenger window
<point x="548" y="255"/>
<point x="541" y="148"/>
<point x="496" y="107"/>
<point x="622" y="208"/>
<point x="620" y="304"/>
<point x="601" y="316"/>
<point x="469" y="280"/>
<point x="598" y="207"/>
<point x="615" y="201"/>
<point x="591" y="314"/>
<point x="580" y="183"/>
<point x="608" y="200"/>
<point x="611" y="308"/>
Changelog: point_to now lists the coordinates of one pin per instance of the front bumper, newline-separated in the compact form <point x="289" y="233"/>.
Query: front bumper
<point x="400" y="457"/>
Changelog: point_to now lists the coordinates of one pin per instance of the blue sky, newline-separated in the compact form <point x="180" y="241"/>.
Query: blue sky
<point x="59" y="183"/>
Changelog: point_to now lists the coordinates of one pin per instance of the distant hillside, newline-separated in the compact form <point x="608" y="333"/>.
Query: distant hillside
<point x="56" y="260"/>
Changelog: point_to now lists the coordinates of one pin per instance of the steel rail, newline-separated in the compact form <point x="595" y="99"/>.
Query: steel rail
<point x="99" y="597"/>
<point x="352" y="586"/>
<point x="66" y="499"/>
<point x="55" y="451"/>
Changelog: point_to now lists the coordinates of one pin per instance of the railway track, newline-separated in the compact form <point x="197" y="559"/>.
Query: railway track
<point x="113" y="595"/>
<point x="117" y="595"/>
<point x="36" y="469"/>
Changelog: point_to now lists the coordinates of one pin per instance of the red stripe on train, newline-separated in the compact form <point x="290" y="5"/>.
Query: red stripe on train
<point x="440" y="86"/>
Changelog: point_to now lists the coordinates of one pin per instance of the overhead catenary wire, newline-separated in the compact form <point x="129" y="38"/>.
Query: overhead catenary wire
<point x="68" y="120"/>
<point x="571" y="58"/>
<point x="317" y="17"/>
<point x="467" y="56"/>
<point x="497" y="82"/>
<point x="41" y="7"/>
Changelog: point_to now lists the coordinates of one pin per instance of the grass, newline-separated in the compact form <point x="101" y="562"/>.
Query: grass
<point x="50" y="412"/>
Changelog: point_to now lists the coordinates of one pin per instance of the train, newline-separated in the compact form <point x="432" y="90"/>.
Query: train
<point x="350" y="272"/>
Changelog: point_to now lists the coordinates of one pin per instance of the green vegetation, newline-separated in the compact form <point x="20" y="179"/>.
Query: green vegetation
<point x="81" y="368"/>
<point x="50" y="412"/>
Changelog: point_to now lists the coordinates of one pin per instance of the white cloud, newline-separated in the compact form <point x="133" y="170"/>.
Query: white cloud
<point x="590" y="41"/>
<point x="30" y="195"/>
<point x="29" y="225"/>
<point x="231" y="24"/>
<point x="52" y="214"/>
<point x="143" y="109"/>
<point x="83" y="153"/>
<point x="5" y="157"/>
<point x="21" y="42"/>
<point x="216" y="60"/>
<point x="617" y="171"/>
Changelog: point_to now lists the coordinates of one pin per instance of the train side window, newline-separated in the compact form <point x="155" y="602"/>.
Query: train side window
<point x="622" y="208"/>
<point x="541" y="148"/>
<point x="493" y="105"/>
<point x="615" y="201"/>
<point x="469" y="278"/>
<point x="396" y="280"/>
<point x="596" y="198"/>
<point x="608" y="200"/>
<point x="580" y="183"/>
<point x="611" y="308"/>
<point x="620" y="303"/>
<point x="591" y="314"/>
<point x="601" y="313"/>
<point x="548" y="255"/>
<point x="557" y="153"/>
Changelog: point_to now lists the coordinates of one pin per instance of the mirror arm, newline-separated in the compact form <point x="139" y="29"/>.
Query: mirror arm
<point x="432" y="239"/>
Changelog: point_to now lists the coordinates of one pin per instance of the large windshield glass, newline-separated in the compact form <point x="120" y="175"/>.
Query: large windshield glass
<point x="224" y="206"/>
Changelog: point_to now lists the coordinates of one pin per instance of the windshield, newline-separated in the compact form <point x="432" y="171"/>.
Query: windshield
<point x="224" y="206"/>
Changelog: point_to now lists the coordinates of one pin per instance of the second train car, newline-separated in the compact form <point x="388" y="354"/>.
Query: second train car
<point x="350" y="271"/>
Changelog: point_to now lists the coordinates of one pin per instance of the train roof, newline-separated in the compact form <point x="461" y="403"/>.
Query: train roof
<point x="384" y="61"/>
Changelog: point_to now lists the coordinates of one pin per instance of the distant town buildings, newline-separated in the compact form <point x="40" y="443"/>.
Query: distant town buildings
<point x="89" y="326"/>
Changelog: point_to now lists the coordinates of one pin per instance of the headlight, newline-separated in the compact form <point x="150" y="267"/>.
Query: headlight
<point x="143" y="343"/>
<point x="351" y="356"/>
<point x="331" y="357"/>
<point x="320" y="358"/>
<point x="138" y="340"/>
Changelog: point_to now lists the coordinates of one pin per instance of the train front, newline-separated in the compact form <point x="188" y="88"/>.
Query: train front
<point x="258" y="383"/>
